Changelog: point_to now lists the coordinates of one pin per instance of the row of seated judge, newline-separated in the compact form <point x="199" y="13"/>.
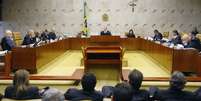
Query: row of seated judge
<point x="187" y="41"/>
<point x="125" y="91"/>
<point x="8" y="41"/>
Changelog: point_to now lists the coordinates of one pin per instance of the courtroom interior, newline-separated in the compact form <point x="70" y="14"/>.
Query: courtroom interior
<point x="100" y="50"/>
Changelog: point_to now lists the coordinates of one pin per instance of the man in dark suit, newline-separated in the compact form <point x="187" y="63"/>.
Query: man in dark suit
<point x="29" y="38"/>
<point x="194" y="42"/>
<point x="175" y="91"/>
<point x="7" y="42"/>
<point x="44" y="35"/>
<point x="157" y="36"/>
<point x="105" y="32"/>
<point x="87" y="93"/>
<point x="122" y="92"/>
<point x="135" y="80"/>
<point x="52" y="35"/>
<point x="1" y="96"/>
<point x="176" y="38"/>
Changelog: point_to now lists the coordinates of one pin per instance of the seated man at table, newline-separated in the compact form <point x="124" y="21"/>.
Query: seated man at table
<point x="176" y="39"/>
<point x="52" y="35"/>
<point x="193" y="42"/>
<point x="131" y="34"/>
<point x="157" y="36"/>
<point x="105" y="32"/>
<point x="7" y="42"/>
<point x="44" y="35"/>
<point x="29" y="38"/>
<point x="87" y="92"/>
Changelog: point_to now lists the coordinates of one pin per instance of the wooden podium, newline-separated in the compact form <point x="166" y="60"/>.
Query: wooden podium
<point x="102" y="56"/>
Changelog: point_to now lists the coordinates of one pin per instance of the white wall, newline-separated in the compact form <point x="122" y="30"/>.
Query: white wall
<point x="67" y="15"/>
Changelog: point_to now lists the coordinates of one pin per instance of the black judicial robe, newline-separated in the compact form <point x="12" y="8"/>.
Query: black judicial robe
<point x="194" y="43"/>
<point x="105" y="33"/>
<point x="175" y="95"/>
<point x="158" y="37"/>
<point x="177" y="40"/>
<point x="28" y="40"/>
<point x="7" y="43"/>
<point x="77" y="95"/>
<point x="52" y="36"/>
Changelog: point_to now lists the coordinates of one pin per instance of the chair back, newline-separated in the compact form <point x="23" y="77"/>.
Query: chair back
<point x="17" y="36"/>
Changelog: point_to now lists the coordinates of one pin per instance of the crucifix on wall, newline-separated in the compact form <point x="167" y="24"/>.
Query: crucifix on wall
<point x="132" y="4"/>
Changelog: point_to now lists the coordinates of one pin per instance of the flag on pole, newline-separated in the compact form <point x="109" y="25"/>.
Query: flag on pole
<point x="85" y="29"/>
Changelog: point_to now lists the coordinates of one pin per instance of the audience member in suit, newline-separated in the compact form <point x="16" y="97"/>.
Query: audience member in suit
<point x="1" y="96"/>
<point x="44" y="35"/>
<point x="131" y="33"/>
<point x="87" y="92"/>
<point x="198" y="94"/>
<point x="135" y="80"/>
<point x="175" y="91"/>
<point x="21" y="89"/>
<point x="29" y="38"/>
<point x="157" y="36"/>
<point x="122" y="92"/>
<point x="105" y="32"/>
<point x="52" y="35"/>
<point x="176" y="38"/>
<point x="52" y="94"/>
<point x="7" y="42"/>
<point x="193" y="42"/>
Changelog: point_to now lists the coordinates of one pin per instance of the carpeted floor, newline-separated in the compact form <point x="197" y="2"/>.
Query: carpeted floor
<point x="71" y="60"/>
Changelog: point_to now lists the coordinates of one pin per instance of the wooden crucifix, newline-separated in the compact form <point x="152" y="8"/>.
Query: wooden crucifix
<point x="132" y="4"/>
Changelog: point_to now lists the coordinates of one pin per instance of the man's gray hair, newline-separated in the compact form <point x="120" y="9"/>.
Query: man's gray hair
<point x="177" y="81"/>
<point x="178" y="77"/>
<point x="53" y="95"/>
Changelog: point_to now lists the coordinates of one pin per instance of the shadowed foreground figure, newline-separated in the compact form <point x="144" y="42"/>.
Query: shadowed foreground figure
<point x="21" y="89"/>
<point x="87" y="92"/>
<point x="175" y="91"/>
<point x="52" y="94"/>
<point x="122" y="92"/>
<point x="135" y="81"/>
<point x="1" y="96"/>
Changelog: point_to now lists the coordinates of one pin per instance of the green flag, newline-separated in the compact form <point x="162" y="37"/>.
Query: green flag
<point x="85" y="29"/>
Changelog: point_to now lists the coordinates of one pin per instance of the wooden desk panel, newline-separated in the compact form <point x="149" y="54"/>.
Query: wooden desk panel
<point x="171" y="59"/>
<point x="24" y="58"/>
<point x="185" y="60"/>
<point x="93" y="56"/>
<point x="34" y="58"/>
<point x="161" y="54"/>
<point x="198" y="64"/>
<point x="78" y="43"/>
<point x="48" y="52"/>
<point x="5" y="68"/>
<point x="131" y="43"/>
